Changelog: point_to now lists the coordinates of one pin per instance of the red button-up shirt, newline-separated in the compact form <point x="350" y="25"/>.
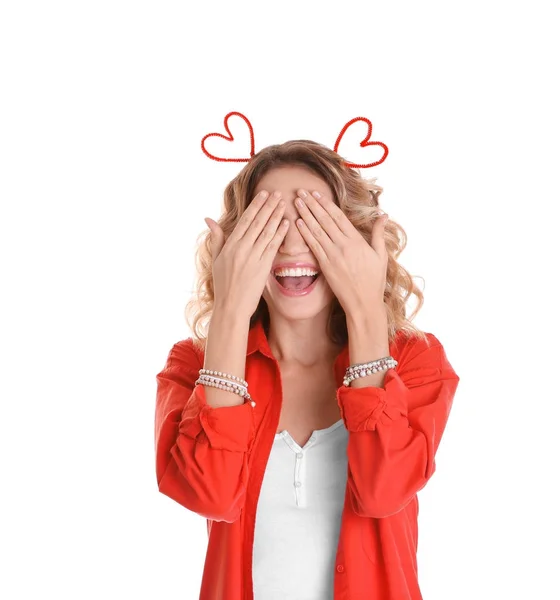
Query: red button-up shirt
<point x="212" y="461"/>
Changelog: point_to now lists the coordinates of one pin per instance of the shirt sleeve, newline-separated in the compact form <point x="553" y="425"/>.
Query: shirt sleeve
<point x="395" y="430"/>
<point x="201" y="451"/>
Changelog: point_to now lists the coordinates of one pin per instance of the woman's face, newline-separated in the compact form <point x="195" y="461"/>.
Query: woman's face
<point x="294" y="248"/>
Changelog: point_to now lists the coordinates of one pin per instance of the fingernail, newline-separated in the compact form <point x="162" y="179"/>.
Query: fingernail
<point x="302" y="193"/>
<point x="317" y="195"/>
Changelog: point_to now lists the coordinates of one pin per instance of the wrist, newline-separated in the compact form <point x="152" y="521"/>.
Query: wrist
<point x="375" y="315"/>
<point x="230" y="313"/>
<point x="369" y="329"/>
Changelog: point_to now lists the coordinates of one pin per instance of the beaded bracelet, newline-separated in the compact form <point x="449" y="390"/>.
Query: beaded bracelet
<point x="224" y="384"/>
<point x="365" y="369"/>
<point x="228" y="385"/>
<point x="220" y="374"/>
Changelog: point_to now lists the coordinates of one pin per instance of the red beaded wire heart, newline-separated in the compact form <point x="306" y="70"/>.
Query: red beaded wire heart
<point x="365" y="142"/>
<point x="229" y="137"/>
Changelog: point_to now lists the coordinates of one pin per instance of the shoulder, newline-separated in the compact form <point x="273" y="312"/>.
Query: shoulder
<point x="415" y="352"/>
<point x="185" y="353"/>
<point x="408" y="341"/>
<point x="409" y="347"/>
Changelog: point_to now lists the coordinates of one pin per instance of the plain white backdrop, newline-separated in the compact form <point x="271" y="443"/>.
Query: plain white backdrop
<point x="104" y="189"/>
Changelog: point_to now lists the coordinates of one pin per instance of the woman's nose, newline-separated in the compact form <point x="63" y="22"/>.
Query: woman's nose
<point x="293" y="242"/>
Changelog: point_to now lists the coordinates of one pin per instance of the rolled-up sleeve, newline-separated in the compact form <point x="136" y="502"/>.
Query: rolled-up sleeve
<point x="201" y="451"/>
<point x="395" y="430"/>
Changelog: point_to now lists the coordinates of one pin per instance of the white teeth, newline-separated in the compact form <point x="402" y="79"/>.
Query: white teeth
<point x="295" y="272"/>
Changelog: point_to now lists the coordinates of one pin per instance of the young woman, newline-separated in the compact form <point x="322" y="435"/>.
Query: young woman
<point x="304" y="421"/>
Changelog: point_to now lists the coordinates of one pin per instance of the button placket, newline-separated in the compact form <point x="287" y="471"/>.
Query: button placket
<point x="299" y="479"/>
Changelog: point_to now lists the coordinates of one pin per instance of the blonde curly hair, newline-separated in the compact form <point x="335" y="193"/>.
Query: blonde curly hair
<point x="358" y="197"/>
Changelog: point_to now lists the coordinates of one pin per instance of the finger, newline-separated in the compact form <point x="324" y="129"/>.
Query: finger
<point x="329" y="215"/>
<point x="314" y="245"/>
<point x="262" y="217"/>
<point x="378" y="235"/>
<point x="248" y="215"/>
<point x="270" y="229"/>
<point x="316" y="228"/>
<point x="270" y="251"/>
<point x="216" y="237"/>
<point x="317" y="218"/>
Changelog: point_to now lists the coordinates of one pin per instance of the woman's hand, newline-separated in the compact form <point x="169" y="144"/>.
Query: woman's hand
<point x="355" y="270"/>
<point x="242" y="264"/>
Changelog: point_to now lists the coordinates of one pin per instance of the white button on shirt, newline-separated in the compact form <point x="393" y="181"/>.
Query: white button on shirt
<point x="298" y="516"/>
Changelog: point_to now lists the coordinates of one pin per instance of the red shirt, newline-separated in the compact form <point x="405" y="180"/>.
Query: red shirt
<point x="212" y="462"/>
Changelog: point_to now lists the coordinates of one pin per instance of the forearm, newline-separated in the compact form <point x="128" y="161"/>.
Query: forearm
<point x="368" y="340"/>
<point x="226" y="351"/>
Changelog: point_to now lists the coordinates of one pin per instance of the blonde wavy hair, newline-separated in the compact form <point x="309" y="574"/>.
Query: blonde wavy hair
<point x="358" y="197"/>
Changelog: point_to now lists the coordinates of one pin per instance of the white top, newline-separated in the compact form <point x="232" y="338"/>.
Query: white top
<point x="299" y="515"/>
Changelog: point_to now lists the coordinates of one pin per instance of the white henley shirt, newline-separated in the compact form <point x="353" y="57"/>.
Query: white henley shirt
<point x="299" y="515"/>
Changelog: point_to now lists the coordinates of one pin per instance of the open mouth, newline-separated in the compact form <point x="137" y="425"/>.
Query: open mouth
<point x="297" y="283"/>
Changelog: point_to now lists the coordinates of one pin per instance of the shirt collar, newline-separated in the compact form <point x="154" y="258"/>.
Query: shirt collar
<point x="257" y="340"/>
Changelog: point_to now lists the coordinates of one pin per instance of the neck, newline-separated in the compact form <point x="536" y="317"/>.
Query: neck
<point x="302" y="342"/>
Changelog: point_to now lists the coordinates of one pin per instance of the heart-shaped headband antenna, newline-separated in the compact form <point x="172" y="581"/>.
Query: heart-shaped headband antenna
<point x="365" y="142"/>
<point x="229" y="138"/>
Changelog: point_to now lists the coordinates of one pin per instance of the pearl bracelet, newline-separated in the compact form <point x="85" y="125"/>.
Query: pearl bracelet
<point x="220" y="374"/>
<point x="229" y="385"/>
<point x="365" y="369"/>
<point x="224" y="384"/>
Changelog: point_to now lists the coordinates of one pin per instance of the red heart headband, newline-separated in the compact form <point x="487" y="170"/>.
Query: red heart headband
<point x="365" y="142"/>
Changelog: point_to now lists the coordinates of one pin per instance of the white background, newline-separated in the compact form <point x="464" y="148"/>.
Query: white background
<point x="104" y="189"/>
